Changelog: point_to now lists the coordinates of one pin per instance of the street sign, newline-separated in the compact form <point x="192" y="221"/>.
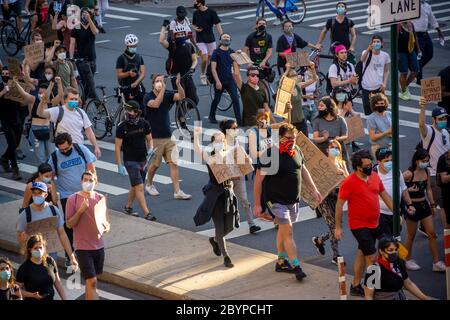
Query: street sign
<point x="387" y="12"/>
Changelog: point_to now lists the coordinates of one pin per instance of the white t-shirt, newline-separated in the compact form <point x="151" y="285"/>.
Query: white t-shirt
<point x="438" y="148"/>
<point x="373" y="77"/>
<point x="71" y="122"/>
<point x="387" y="180"/>
<point x="185" y="23"/>
<point x="309" y="89"/>
<point x="343" y="75"/>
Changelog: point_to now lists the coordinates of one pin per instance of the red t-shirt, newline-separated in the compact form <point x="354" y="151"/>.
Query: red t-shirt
<point x="362" y="198"/>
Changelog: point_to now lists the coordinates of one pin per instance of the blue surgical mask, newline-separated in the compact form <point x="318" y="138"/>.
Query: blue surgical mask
<point x="38" y="200"/>
<point x="225" y="42"/>
<point x="424" y="165"/>
<point x="340" y="10"/>
<point x="5" y="275"/>
<point x="46" y="180"/>
<point x="340" y="97"/>
<point x="72" y="104"/>
<point x="180" y="41"/>
<point x="388" y="166"/>
<point x="377" y="46"/>
<point x="334" y="152"/>
<point x="132" y="50"/>
<point x="37" y="254"/>
<point x="441" y="125"/>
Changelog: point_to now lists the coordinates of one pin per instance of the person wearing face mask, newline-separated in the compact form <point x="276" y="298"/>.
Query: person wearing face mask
<point x="181" y="20"/>
<point x="130" y="71"/>
<point x="289" y="42"/>
<point x="341" y="72"/>
<point x="44" y="175"/>
<point x="443" y="172"/>
<point x="38" y="276"/>
<point x="258" y="45"/>
<point x="64" y="68"/>
<point x="384" y="170"/>
<point x="376" y="64"/>
<point x="83" y="216"/>
<point x="260" y="137"/>
<point x="361" y="190"/>
<point x="408" y="56"/>
<point x="133" y="135"/>
<point x="392" y="275"/>
<point x="35" y="70"/>
<point x="436" y="140"/>
<point x="379" y="123"/>
<point x="418" y="181"/>
<point x="9" y="290"/>
<point x="40" y="210"/>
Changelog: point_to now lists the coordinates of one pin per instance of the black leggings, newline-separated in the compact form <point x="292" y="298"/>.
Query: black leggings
<point x="69" y="231"/>
<point x="12" y="132"/>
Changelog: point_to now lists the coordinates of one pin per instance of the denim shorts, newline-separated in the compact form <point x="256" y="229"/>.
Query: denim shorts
<point x="285" y="214"/>
<point x="407" y="62"/>
<point x="136" y="172"/>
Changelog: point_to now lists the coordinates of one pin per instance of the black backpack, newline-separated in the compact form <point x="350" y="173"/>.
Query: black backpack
<point x="329" y="87"/>
<point x="61" y="115"/>
<point x="359" y="70"/>
<point x="55" y="160"/>
<point x="28" y="212"/>
<point x="420" y="144"/>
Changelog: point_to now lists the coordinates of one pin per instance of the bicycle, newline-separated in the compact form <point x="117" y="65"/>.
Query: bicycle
<point x="294" y="11"/>
<point x="225" y="102"/>
<point x="14" y="40"/>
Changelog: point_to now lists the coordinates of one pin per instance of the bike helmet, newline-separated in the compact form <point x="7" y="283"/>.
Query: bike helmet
<point x="131" y="40"/>
<point x="179" y="28"/>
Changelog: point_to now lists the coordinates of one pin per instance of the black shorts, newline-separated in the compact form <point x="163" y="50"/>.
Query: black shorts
<point x="423" y="210"/>
<point x="366" y="239"/>
<point x="446" y="201"/>
<point x="90" y="262"/>
<point x="385" y="225"/>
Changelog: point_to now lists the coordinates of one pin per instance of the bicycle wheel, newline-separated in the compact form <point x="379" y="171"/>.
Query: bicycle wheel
<point x="81" y="90"/>
<point x="225" y="102"/>
<point x="99" y="116"/>
<point x="10" y="39"/>
<point x="186" y="113"/>
<point x="295" y="11"/>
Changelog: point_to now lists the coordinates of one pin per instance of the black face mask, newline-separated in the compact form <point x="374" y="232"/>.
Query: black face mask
<point x="261" y="29"/>
<point x="67" y="153"/>
<point x="380" y="109"/>
<point x="392" y="256"/>
<point x="323" y="113"/>
<point x="5" y="79"/>
<point x="84" y="20"/>
<point x="181" y="17"/>
<point x="367" y="171"/>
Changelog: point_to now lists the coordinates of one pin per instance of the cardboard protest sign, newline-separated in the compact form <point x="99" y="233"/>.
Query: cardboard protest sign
<point x="14" y="67"/>
<point x="48" y="227"/>
<point x="14" y="94"/>
<point x="284" y="94"/>
<point x="236" y="163"/>
<point x="298" y="59"/>
<point x="355" y="127"/>
<point x="48" y="33"/>
<point x="431" y="89"/>
<point x="241" y="58"/>
<point x="73" y="17"/>
<point x="34" y="53"/>
<point x="323" y="171"/>
<point x="100" y="211"/>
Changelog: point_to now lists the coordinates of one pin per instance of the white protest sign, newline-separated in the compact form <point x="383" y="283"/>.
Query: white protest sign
<point x="387" y="12"/>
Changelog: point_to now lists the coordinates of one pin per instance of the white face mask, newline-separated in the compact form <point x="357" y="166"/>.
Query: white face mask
<point x="48" y="77"/>
<point x="158" y="85"/>
<point x="62" y="56"/>
<point x="87" y="186"/>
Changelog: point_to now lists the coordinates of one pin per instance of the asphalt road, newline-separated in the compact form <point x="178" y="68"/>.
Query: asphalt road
<point x="145" y="22"/>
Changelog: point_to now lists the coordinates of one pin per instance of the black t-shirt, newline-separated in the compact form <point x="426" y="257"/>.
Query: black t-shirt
<point x="224" y="64"/>
<point x="340" y="31"/>
<point x="181" y="57"/>
<point x="85" y="41"/>
<point x="443" y="165"/>
<point x="9" y="109"/>
<point x="284" y="187"/>
<point x="37" y="278"/>
<point x="159" y="118"/>
<point x="10" y="293"/>
<point x="258" y="44"/>
<point x="391" y="281"/>
<point x="445" y="83"/>
<point x="127" y="63"/>
<point x="403" y="40"/>
<point x="39" y="72"/>
<point x="205" y="20"/>
<point x="134" y="146"/>
<point x="283" y="44"/>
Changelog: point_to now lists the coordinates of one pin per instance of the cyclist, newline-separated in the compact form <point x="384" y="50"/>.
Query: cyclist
<point x="181" y="20"/>
<point x="341" y="72"/>
<point x="64" y="68"/>
<point x="182" y="59"/>
<point x="258" y="45"/>
<point x="130" y="71"/>
<point x="341" y="28"/>
<point x="15" y="7"/>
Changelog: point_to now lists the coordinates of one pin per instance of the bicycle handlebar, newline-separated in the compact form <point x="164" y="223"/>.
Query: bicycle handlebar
<point x="187" y="74"/>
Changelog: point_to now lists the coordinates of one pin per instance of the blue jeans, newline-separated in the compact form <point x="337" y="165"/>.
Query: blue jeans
<point x="310" y="112"/>
<point x="232" y="91"/>
<point x="42" y="148"/>
<point x="426" y="46"/>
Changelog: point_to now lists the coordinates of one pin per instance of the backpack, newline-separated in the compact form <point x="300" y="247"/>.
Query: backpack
<point x="359" y="70"/>
<point x="420" y="144"/>
<point x="333" y="23"/>
<point x="209" y="74"/>
<point x="269" y="135"/>
<point x="329" y="87"/>
<point x="55" y="160"/>
<point x="61" y="115"/>
<point x="439" y="181"/>
<point x="28" y="212"/>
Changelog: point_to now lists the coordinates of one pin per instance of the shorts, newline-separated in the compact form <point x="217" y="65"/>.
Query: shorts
<point x="386" y="225"/>
<point x="408" y="62"/>
<point x="165" y="148"/>
<point x="437" y="192"/>
<point x="207" y="48"/>
<point x="366" y="238"/>
<point x="91" y="262"/>
<point x="285" y="214"/>
<point x="136" y="172"/>
<point x="423" y="210"/>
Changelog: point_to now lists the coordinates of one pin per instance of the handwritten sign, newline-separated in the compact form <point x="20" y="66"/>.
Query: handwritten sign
<point x="298" y="59"/>
<point x="48" y="33"/>
<point x="355" y="127"/>
<point x="73" y="17"/>
<point x="14" y="67"/>
<point x="34" y="53"/>
<point x="241" y="58"/>
<point x="323" y="171"/>
<point x="14" y="94"/>
<point x="236" y="163"/>
<point x="431" y="89"/>
<point x="48" y="228"/>
<point x="100" y="211"/>
<point x="284" y="94"/>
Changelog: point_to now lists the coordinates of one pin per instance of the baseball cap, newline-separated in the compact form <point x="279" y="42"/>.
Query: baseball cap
<point x="132" y="105"/>
<point x="438" y="112"/>
<point x="181" y="10"/>
<point x="39" y="185"/>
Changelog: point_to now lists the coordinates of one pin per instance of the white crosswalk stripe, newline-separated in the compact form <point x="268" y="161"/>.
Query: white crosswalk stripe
<point x="114" y="16"/>
<point x="141" y="12"/>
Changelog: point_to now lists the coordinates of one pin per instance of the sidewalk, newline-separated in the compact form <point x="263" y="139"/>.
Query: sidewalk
<point x="171" y="263"/>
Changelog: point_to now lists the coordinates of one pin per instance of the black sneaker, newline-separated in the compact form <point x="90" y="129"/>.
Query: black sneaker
<point x="254" y="229"/>
<point x="129" y="211"/>
<point x="284" y="266"/>
<point x="227" y="262"/>
<point x="212" y="120"/>
<point x="215" y="246"/>
<point x="149" y="217"/>
<point x="357" y="291"/>
<point x="299" y="274"/>
<point x="20" y="155"/>
<point x="319" y="245"/>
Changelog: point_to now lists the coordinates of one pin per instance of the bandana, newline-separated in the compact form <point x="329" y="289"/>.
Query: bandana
<point x="287" y="148"/>
<point x="389" y="266"/>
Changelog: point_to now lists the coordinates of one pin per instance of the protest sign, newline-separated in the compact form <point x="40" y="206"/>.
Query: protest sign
<point x="34" y="53"/>
<point x="284" y="94"/>
<point x="100" y="211"/>
<point x="14" y="67"/>
<point x="49" y="35"/>
<point x="73" y="17"/>
<point x="298" y="59"/>
<point x="323" y="172"/>
<point x="236" y="163"/>
<point x="49" y="229"/>
<point x="431" y="89"/>
<point x="241" y="58"/>
<point x="14" y="94"/>
<point x="355" y="127"/>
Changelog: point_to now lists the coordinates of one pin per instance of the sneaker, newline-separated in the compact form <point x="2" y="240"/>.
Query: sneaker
<point x="405" y="95"/>
<point x="299" y="274"/>
<point x="151" y="190"/>
<point x="180" y="195"/>
<point x="227" y="262"/>
<point x="101" y="30"/>
<point x="357" y="291"/>
<point x="408" y="94"/>
<point x="212" y="120"/>
<point x="254" y="229"/>
<point x="5" y="164"/>
<point x="15" y="174"/>
<point x="129" y="211"/>
<point x="283" y="266"/>
<point x="20" y="155"/>
<point x="319" y="245"/>
<point x="421" y="230"/>
<point x="150" y="217"/>
<point x="203" y="80"/>
<point x="335" y="261"/>
<point x="439" y="267"/>
<point x="412" y="265"/>
<point x="215" y="246"/>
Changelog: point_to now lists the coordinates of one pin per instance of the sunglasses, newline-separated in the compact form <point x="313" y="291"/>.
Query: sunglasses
<point x="252" y="75"/>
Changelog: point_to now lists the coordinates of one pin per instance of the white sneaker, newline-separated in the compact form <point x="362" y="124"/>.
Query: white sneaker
<point x="180" y="195"/>
<point x="412" y="265"/>
<point x="439" y="266"/>
<point x="203" y="80"/>
<point x="152" y="190"/>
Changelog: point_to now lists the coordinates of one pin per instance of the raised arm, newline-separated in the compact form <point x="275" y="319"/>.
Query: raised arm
<point x="237" y="75"/>
<point x="422" y="125"/>
<point x="162" y="38"/>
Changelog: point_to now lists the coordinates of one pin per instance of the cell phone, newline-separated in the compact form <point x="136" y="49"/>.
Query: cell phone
<point x="166" y="23"/>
